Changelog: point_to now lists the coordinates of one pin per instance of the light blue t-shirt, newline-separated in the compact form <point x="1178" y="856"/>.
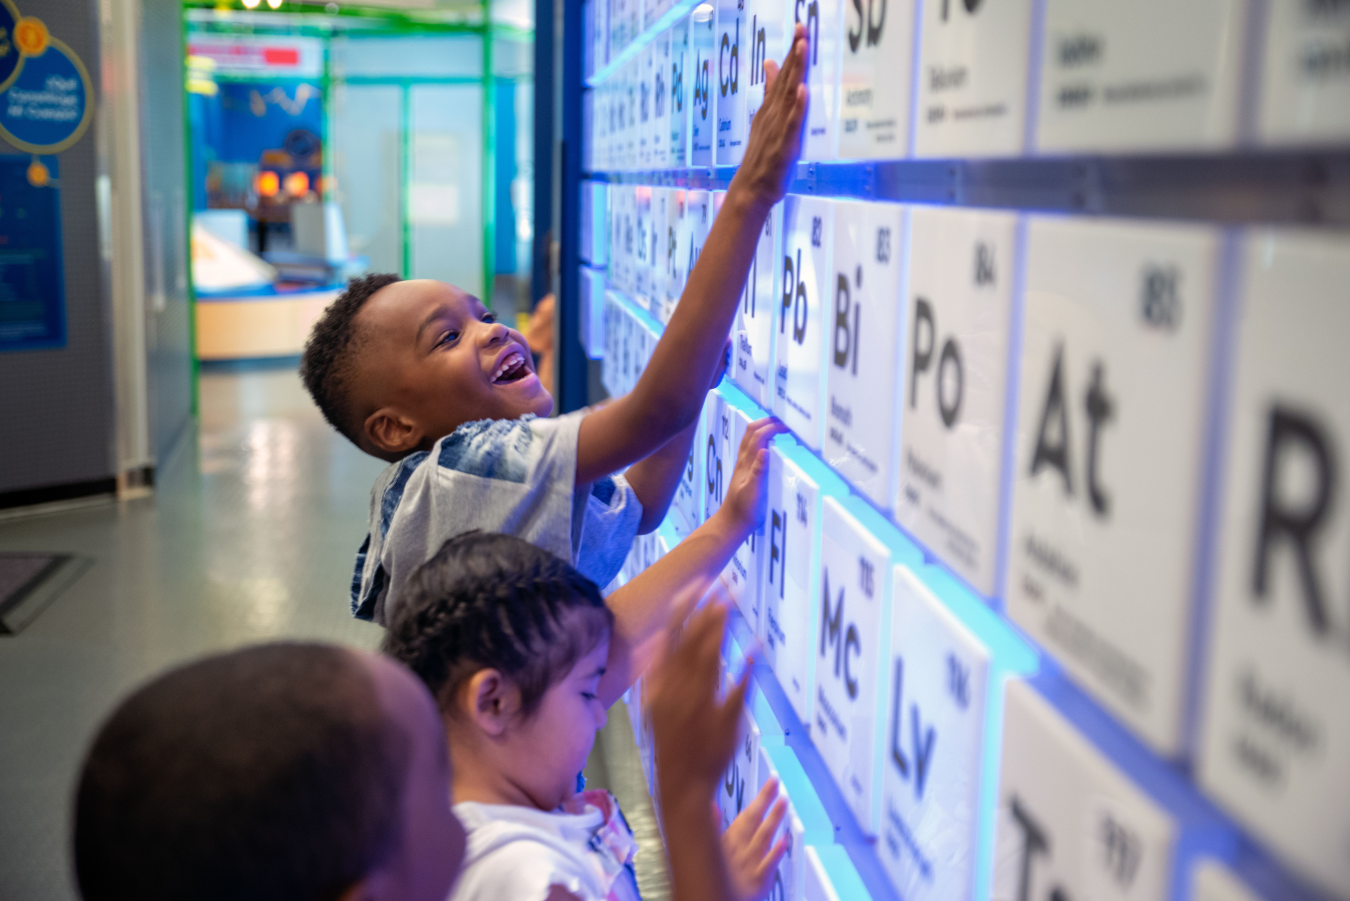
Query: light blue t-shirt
<point x="516" y="476"/>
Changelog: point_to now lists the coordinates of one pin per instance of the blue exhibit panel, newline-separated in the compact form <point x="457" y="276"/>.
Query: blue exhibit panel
<point x="32" y="281"/>
<point x="831" y="876"/>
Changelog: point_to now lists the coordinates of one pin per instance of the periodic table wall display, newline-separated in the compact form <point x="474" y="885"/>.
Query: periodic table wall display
<point x="864" y="333"/>
<point x="1305" y="81"/>
<point x="1155" y="75"/>
<point x="1107" y="460"/>
<point x="973" y="61"/>
<point x="1276" y="735"/>
<point x="959" y="316"/>
<point x="804" y="280"/>
<point x="1049" y="593"/>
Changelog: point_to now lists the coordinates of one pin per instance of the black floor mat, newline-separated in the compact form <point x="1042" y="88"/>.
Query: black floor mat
<point x="31" y="581"/>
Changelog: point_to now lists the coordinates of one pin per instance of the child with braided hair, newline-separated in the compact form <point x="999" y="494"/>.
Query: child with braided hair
<point x="524" y="658"/>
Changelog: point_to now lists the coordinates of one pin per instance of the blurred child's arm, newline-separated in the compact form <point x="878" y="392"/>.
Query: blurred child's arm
<point x="643" y="608"/>
<point x="695" y="738"/>
<point x="655" y="478"/>
<point x="669" y="395"/>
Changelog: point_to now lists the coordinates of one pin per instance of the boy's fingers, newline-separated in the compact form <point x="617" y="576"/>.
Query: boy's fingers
<point x="768" y="828"/>
<point x="770" y="73"/>
<point x="767" y="795"/>
<point x="731" y="710"/>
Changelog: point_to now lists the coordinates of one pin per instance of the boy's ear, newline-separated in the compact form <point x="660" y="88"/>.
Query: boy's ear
<point x="489" y="701"/>
<point x="392" y="432"/>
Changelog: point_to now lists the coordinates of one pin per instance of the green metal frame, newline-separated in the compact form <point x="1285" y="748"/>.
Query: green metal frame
<point x="376" y="22"/>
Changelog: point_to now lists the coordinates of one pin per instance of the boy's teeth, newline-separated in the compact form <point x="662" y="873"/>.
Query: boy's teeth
<point x="509" y="363"/>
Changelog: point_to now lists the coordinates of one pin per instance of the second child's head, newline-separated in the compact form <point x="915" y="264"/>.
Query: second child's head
<point x="512" y="643"/>
<point x="396" y="365"/>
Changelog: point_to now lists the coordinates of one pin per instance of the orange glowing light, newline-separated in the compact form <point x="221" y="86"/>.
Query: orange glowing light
<point x="268" y="184"/>
<point x="297" y="184"/>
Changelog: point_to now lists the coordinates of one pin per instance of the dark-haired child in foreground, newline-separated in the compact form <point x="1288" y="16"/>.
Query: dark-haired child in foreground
<point x="422" y="375"/>
<point x="283" y="772"/>
<point x="515" y="645"/>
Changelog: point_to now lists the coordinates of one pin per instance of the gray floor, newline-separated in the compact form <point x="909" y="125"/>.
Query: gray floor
<point x="250" y="536"/>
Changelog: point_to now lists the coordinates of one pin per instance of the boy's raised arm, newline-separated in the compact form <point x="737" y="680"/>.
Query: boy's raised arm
<point x="670" y="393"/>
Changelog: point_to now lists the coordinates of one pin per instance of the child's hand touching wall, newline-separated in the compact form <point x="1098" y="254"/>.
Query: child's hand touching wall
<point x="748" y="495"/>
<point x="752" y="854"/>
<point x="776" y="132"/>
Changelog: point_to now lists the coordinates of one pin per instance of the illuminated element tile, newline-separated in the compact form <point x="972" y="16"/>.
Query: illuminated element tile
<point x="632" y="87"/>
<point x="646" y="60"/>
<point x="1275" y="732"/>
<point x="855" y="637"/>
<point x="675" y="252"/>
<point x="874" y="95"/>
<point x="642" y="245"/>
<point x="824" y="29"/>
<point x="831" y="876"/>
<point x="930" y="784"/>
<point x="657" y="290"/>
<point x="790" y="591"/>
<point x="754" y="332"/>
<point x="1153" y="75"/>
<point x="659" y="142"/>
<point x="808" y="236"/>
<point x="954" y="386"/>
<point x="686" y="509"/>
<point x="806" y="822"/>
<point x="703" y="50"/>
<point x="1071" y="824"/>
<point x="716" y="432"/>
<point x="681" y="81"/>
<point x="744" y="571"/>
<point x="1305" y="78"/>
<point x="864" y="327"/>
<point x="1108" y="458"/>
<point x="698" y="213"/>
<point x="972" y="78"/>
<point x="741" y="780"/>
<point x="766" y="39"/>
<point x="592" y="329"/>
<point x="732" y="55"/>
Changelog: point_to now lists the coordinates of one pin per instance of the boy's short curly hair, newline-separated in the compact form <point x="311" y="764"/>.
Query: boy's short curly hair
<point x="328" y="364"/>
<point x="496" y="601"/>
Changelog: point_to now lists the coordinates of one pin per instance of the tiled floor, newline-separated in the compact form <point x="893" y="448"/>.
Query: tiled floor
<point x="250" y="536"/>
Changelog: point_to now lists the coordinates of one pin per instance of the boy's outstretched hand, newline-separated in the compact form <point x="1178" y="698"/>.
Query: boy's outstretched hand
<point x="748" y="497"/>
<point x="776" y="133"/>
<point x="752" y="854"/>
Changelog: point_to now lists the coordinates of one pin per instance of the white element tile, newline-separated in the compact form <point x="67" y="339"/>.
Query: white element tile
<point x="1212" y="881"/>
<point x="874" y="96"/>
<point x="593" y="312"/>
<point x="632" y="81"/>
<point x="717" y="464"/>
<point x="754" y="332"/>
<point x="766" y="39"/>
<point x="703" y="44"/>
<point x="1153" y="75"/>
<point x="698" y="212"/>
<point x="1305" y="79"/>
<point x="930" y="784"/>
<point x="657" y="289"/>
<point x="732" y="55"/>
<point x="864" y="334"/>
<point x="808" y="236"/>
<point x="646" y="131"/>
<point x="599" y="34"/>
<point x="675" y="253"/>
<point x="954" y="384"/>
<point x="642" y="246"/>
<point x="1275" y="734"/>
<point x="686" y="508"/>
<point x="681" y="90"/>
<point x="824" y="29"/>
<point x="1070" y="823"/>
<point x="972" y="78"/>
<point x="743" y="572"/>
<point x="852" y="688"/>
<point x="790" y="591"/>
<point x="741" y="781"/>
<point x="1108" y="458"/>
<point x="659" y="142"/>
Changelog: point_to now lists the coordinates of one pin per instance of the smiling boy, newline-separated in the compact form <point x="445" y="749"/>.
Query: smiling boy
<point x="422" y="375"/>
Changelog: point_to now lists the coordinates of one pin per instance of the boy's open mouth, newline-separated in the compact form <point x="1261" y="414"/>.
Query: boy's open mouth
<point x="511" y="369"/>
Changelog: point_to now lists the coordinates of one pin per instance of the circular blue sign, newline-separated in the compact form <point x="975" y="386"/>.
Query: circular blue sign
<point x="10" y="58"/>
<point x="47" y="107"/>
